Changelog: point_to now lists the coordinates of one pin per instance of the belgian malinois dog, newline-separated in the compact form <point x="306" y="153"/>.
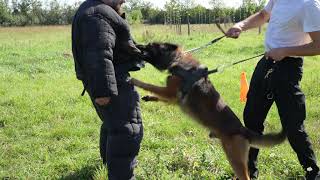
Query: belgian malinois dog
<point x="201" y="101"/>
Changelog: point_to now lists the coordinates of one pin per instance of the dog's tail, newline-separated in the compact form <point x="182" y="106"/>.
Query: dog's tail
<point x="266" y="140"/>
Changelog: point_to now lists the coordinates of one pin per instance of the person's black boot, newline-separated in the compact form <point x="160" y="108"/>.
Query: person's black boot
<point x="313" y="174"/>
<point x="254" y="174"/>
<point x="252" y="166"/>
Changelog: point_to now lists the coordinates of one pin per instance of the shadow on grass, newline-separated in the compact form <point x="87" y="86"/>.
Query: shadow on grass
<point x="2" y="124"/>
<point x="87" y="172"/>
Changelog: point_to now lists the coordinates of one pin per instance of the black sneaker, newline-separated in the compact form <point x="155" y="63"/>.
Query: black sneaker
<point x="254" y="175"/>
<point x="311" y="175"/>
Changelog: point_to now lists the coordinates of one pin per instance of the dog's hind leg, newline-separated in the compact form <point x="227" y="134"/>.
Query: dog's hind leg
<point x="236" y="149"/>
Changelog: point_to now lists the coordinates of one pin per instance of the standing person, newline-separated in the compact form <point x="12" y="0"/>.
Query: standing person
<point x="104" y="53"/>
<point x="293" y="32"/>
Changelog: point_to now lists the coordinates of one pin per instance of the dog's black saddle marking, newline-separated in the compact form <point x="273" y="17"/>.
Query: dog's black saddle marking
<point x="189" y="75"/>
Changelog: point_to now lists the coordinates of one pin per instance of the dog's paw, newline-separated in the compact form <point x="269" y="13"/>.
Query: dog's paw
<point x="129" y="80"/>
<point x="150" y="98"/>
<point x="133" y="81"/>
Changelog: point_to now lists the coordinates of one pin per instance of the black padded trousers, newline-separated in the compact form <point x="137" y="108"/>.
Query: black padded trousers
<point x="282" y="87"/>
<point x="121" y="131"/>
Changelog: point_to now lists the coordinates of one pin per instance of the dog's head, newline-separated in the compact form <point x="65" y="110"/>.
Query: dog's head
<point x="160" y="55"/>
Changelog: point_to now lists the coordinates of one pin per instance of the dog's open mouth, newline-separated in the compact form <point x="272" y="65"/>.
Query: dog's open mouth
<point x="145" y="55"/>
<point x="160" y="55"/>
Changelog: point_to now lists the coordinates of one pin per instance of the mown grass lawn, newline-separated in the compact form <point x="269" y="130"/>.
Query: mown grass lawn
<point x="48" y="131"/>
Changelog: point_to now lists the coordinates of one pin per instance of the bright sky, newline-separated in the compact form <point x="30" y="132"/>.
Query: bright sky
<point x="160" y="3"/>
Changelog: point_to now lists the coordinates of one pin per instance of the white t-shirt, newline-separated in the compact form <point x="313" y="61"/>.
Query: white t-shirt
<point x="290" y="22"/>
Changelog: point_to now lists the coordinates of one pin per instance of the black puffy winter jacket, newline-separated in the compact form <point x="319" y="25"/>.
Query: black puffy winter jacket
<point x="102" y="47"/>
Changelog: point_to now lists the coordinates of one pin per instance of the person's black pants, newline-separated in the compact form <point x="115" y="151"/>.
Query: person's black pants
<point x="121" y="131"/>
<point x="280" y="85"/>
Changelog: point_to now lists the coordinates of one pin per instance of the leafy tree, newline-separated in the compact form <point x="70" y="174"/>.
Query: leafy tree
<point x="187" y="4"/>
<point x="54" y="14"/>
<point x="4" y="12"/>
<point x="131" y="5"/>
<point x="137" y="10"/>
<point x="156" y="16"/>
<point x="68" y="13"/>
<point x="15" y="7"/>
<point x="146" y="10"/>
<point x="261" y="4"/>
<point x="135" y="17"/>
<point x="216" y="4"/>
<point x="175" y="12"/>
<point x="172" y="8"/>
<point x="37" y="12"/>
<point x="24" y="7"/>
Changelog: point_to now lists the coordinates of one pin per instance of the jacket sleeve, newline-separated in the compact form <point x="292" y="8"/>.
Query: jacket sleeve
<point x="98" y="41"/>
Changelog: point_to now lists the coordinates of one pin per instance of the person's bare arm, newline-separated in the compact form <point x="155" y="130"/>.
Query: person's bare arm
<point x="253" y="21"/>
<point x="311" y="49"/>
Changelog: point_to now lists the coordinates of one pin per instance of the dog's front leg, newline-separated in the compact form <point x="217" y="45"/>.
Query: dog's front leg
<point x="168" y="93"/>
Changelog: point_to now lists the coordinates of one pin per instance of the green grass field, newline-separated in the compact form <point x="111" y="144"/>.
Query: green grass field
<point x="48" y="131"/>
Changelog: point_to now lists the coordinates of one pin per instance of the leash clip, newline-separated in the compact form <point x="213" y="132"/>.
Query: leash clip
<point x="270" y="96"/>
<point x="268" y="73"/>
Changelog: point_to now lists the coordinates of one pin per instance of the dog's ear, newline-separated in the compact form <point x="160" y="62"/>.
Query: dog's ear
<point x="171" y="47"/>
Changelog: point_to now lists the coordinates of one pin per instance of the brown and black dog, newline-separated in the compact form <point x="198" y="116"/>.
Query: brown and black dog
<point x="201" y="101"/>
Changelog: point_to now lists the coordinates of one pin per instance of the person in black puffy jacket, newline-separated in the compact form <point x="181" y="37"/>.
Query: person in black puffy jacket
<point x="104" y="54"/>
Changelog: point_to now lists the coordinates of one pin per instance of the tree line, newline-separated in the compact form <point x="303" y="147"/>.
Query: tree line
<point x="34" y="12"/>
<point x="187" y="11"/>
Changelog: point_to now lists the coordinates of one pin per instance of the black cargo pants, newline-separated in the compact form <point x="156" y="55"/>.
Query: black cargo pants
<point x="279" y="83"/>
<point x="121" y="131"/>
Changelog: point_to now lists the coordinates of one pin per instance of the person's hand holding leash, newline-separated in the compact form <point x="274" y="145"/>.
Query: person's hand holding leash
<point x="234" y="32"/>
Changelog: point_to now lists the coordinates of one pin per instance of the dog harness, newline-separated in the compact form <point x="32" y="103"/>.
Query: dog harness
<point x="189" y="75"/>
